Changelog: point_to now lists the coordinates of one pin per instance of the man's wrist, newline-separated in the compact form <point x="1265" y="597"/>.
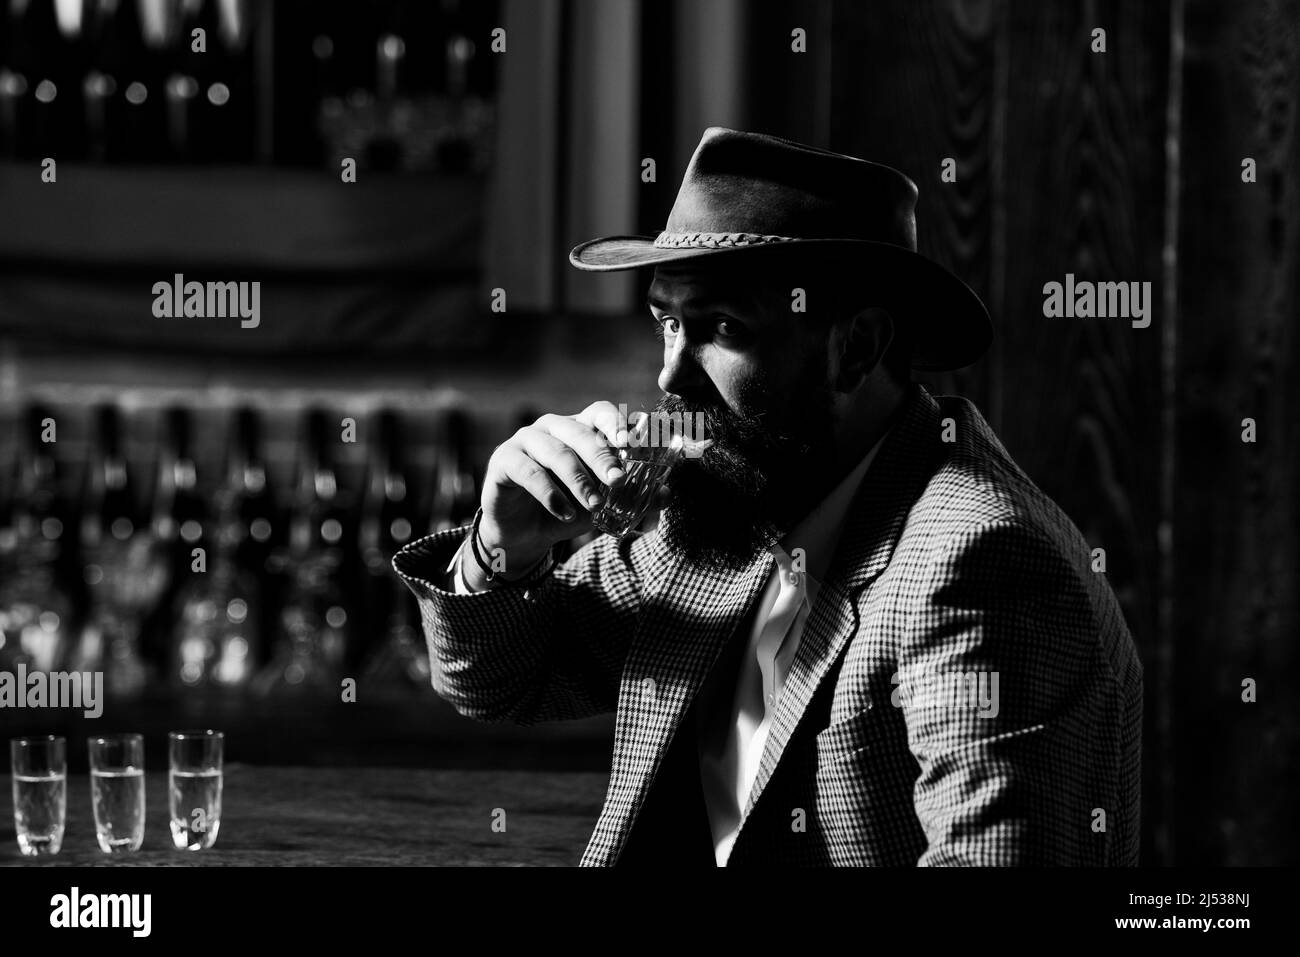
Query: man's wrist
<point x="507" y="565"/>
<point x="510" y="561"/>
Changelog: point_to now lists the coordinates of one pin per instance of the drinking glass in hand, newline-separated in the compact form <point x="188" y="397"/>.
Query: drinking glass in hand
<point x="655" y="444"/>
<point x="117" y="791"/>
<point x="194" y="788"/>
<point x="40" y="776"/>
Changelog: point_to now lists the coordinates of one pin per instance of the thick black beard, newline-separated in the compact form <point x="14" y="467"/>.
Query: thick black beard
<point x="751" y="486"/>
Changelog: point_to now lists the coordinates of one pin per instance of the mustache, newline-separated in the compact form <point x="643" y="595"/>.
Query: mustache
<point x="736" y="436"/>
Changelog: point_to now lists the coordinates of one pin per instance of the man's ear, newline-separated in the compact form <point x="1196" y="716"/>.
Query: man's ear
<point x="861" y="345"/>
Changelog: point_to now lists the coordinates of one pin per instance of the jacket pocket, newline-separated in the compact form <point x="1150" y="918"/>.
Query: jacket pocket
<point x="846" y="736"/>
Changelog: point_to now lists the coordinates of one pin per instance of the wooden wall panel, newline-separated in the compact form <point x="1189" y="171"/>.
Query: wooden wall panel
<point x="913" y="83"/>
<point x="1237" y="506"/>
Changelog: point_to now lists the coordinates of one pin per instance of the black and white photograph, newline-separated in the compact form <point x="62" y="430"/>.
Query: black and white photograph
<point x="447" y="435"/>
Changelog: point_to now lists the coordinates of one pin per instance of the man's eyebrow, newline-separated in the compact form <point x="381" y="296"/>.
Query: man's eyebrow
<point x="695" y="303"/>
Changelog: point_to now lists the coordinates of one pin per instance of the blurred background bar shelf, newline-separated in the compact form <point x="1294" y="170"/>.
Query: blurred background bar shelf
<point x="266" y="219"/>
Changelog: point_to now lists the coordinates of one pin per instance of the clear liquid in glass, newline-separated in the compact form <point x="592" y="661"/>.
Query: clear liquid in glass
<point x="626" y="505"/>
<point x="118" y="801"/>
<point x="40" y="808"/>
<point x="655" y="446"/>
<point x="195" y="805"/>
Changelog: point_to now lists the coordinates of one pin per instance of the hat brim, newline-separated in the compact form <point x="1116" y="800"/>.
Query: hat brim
<point x="951" y="325"/>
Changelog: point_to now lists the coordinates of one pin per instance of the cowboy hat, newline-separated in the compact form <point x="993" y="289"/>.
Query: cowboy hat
<point x="746" y="191"/>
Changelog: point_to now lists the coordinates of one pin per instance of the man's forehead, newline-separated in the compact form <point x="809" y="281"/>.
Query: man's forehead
<point x="698" y="285"/>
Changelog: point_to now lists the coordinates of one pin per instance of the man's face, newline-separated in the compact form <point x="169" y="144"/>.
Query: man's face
<point x="736" y="353"/>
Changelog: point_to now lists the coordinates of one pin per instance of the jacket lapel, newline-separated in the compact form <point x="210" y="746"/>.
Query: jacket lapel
<point x="890" y="487"/>
<point x="679" y="634"/>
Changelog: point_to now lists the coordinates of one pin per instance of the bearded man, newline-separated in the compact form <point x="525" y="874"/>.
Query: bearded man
<point x="858" y="634"/>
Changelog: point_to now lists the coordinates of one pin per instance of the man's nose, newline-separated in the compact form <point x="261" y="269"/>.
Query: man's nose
<point x="682" y="373"/>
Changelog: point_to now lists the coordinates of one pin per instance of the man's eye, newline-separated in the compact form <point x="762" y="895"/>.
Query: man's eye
<point x="723" y="327"/>
<point x="666" y="325"/>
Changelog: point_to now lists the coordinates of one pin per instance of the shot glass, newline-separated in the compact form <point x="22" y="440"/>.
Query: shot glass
<point x="117" y="791"/>
<point x="194" y="787"/>
<point x="655" y="444"/>
<point x="40" y="777"/>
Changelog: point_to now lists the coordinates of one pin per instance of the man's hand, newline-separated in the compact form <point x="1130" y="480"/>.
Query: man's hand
<point x="542" y="485"/>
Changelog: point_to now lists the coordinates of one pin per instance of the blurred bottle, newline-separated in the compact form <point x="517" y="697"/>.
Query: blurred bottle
<point x="177" y="524"/>
<point x="237" y="115"/>
<point x="219" y="611"/>
<point x="109" y="507"/>
<point x="41" y="84"/>
<point x="178" y="508"/>
<point x="388" y="511"/>
<point x="455" y="495"/>
<point x="210" y="89"/>
<point x="100" y="93"/>
<point x="314" y="627"/>
<point x="183" y="90"/>
<point x="385" y="146"/>
<point x="389" y="517"/>
<point x="125" y="567"/>
<point x="267" y="531"/>
<point x="475" y="22"/>
<point x="455" y="151"/>
<point x="422" y="27"/>
<point x="15" y="114"/>
<point x="260" y="513"/>
<point x="124" y="85"/>
<point x="36" y="604"/>
<point x="13" y="92"/>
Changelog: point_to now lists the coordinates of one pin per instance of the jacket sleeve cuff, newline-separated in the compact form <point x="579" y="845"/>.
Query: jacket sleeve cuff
<point x="433" y="562"/>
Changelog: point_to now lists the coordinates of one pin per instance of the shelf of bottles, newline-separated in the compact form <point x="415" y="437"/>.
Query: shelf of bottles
<point x="219" y="579"/>
<point x="402" y="85"/>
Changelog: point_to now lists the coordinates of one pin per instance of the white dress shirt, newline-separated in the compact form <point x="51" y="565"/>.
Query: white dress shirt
<point x="734" y="719"/>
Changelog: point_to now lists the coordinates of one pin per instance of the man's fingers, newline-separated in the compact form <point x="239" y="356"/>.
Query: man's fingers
<point x="561" y="460"/>
<point x="524" y="471"/>
<point x="564" y="463"/>
<point x="603" y="416"/>
<point x="594" y="433"/>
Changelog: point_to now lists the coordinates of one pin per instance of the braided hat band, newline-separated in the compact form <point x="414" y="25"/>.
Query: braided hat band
<point x="716" y="240"/>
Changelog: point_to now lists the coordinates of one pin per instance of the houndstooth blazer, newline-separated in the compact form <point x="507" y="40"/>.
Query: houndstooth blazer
<point x="951" y="562"/>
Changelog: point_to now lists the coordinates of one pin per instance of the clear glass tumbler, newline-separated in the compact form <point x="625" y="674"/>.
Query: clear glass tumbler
<point x="117" y="791"/>
<point x="194" y="781"/>
<point x="40" y="786"/>
<point x="655" y="444"/>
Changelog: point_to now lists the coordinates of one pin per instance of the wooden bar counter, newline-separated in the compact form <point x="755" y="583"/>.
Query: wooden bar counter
<point x="322" y="816"/>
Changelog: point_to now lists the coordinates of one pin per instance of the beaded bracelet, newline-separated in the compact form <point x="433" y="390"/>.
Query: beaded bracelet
<point x="542" y="568"/>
